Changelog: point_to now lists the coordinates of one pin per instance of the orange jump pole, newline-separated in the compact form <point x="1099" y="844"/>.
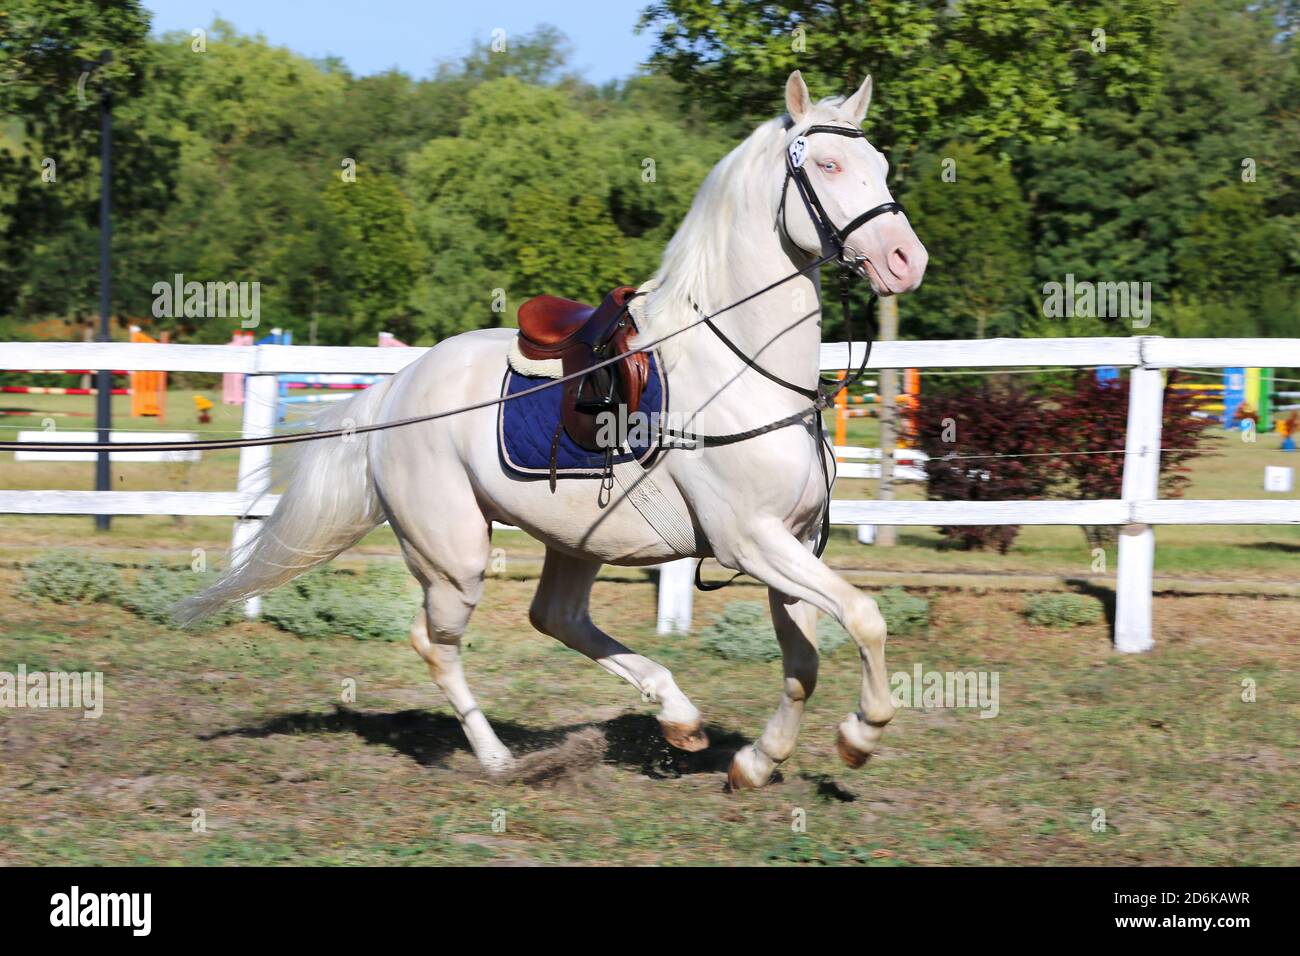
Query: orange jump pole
<point x="148" y="389"/>
<point x="908" y="403"/>
<point x="841" y="414"/>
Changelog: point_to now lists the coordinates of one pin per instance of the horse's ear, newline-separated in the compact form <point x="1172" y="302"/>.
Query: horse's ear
<point x="856" y="105"/>
<point x="797" y="100"/>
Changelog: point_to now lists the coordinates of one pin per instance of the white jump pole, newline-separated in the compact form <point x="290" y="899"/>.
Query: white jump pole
<point x="1137" y="542"/>
<point x="676" y="595"/>
<point x="261" y="402"/>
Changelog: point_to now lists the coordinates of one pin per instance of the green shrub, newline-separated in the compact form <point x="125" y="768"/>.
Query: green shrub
<point x="744" y="632"/>
<point x="375" y="605"/>
<point x="67" y="577"/>
<point x="904" y="613"/>
<point x="1061" y="610"/>
<point x="830" y="636"/>
<point x="157" y="588"/>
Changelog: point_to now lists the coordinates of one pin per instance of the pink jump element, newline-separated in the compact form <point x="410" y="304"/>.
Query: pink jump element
<point x="232" y="383"/>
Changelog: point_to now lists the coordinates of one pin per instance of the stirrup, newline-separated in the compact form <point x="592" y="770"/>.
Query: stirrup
<point x="589" y="400"/>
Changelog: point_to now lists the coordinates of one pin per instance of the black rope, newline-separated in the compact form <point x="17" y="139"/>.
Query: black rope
<point x="811" y="393"/>
<point x="821" y="396"/>
<point x="218" y="444"/>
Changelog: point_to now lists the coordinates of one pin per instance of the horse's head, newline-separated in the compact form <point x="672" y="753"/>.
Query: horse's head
<point x="846" y="175"/>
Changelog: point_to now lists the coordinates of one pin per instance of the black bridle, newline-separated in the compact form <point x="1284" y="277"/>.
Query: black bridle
<point x="832" y="236"/>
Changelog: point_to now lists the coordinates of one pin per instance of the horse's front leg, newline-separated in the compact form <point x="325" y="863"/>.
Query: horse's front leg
<point x="560" y="609"/>
<point x="796" y="631"/>
<point x="778" y="559"/>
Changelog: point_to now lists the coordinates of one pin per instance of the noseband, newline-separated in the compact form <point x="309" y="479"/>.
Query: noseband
<point x="831" y="236"/>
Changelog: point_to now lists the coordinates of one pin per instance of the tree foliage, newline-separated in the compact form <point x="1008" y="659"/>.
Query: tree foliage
<point x="1160" y="149"/>
<point x="975" y="221"/>
<point x="989" y="72"/>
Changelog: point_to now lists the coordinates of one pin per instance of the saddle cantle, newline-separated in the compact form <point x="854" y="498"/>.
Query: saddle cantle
<point x="581" y="336"/>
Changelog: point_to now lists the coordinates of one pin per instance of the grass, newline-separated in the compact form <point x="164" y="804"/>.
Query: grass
<point x="247" y="724"/>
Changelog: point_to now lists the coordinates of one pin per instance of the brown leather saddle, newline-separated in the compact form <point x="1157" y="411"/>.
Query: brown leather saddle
<point x="582" y="336"/>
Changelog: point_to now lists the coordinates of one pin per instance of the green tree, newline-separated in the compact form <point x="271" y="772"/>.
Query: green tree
<point x="543" y="190"/>
<point x="987" y="72"/>
<point x="1147" y="188"/>
<point x="49" y="156"/>
<point x="375" y="257"/>
<point x="251" y="178"/>
<point x="975" y="221"/>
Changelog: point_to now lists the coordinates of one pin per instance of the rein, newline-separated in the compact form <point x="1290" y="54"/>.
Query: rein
<point x="218" y="444"/>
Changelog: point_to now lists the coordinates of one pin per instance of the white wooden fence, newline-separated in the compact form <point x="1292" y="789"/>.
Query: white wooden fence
<point x="1136" y="511"/>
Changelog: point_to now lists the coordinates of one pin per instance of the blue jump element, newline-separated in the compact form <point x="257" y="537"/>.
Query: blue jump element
<point x="277" y="337"/>
<point x="1234" y="395"/>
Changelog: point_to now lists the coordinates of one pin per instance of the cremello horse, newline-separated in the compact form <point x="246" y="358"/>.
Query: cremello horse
<point x="755" y="505"/>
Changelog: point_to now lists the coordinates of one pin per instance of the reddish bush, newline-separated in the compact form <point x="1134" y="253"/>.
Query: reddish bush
<point x="1092" y="416"/>
<point x="997" y="440"/>
<point x="967" y="430"/>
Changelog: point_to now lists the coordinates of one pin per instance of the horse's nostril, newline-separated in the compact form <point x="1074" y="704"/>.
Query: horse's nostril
<point x="898" y="261"/>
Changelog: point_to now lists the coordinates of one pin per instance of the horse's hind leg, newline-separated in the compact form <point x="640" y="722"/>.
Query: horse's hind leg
<point x="450" y="560"/>
<point x="560" y="610"/>
<point x="436" y="634"/>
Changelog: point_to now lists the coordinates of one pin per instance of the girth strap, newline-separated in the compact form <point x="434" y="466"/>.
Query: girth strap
<point x="662" y="514"/>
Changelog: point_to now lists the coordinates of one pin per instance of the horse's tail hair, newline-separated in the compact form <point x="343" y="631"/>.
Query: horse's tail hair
<point x="329" y="503"/>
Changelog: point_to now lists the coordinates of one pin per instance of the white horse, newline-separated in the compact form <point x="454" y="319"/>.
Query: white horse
<point x="755" y="506"/>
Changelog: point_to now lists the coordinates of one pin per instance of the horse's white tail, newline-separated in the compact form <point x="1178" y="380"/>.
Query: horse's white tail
<point x="328" y="504"/>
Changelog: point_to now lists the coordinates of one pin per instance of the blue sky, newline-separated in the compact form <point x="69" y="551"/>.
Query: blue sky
<point x="414" y="35"/>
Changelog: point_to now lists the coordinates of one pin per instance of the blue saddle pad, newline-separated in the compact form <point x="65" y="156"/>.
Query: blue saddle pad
<point x="526" y="427"/>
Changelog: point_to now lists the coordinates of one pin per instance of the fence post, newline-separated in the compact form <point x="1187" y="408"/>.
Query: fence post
<point x="676" y="595"/>
<point x="261" y="401"/>
<point x="1137" y="542"/>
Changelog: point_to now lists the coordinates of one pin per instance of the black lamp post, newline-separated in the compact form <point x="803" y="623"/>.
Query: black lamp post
<point x="104" y="376"/>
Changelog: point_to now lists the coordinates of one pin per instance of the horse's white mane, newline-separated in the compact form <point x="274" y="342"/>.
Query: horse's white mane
<point x="698" y="251"/>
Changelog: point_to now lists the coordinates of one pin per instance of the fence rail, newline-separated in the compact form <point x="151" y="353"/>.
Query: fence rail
<point x="1131" y="351"/>
<point x="1137" y="510"/>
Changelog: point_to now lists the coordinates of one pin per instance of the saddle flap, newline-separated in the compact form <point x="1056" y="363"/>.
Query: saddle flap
<point x="616" y="393"/>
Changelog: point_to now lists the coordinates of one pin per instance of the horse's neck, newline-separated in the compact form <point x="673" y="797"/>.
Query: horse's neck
<point x="780" y="331"/>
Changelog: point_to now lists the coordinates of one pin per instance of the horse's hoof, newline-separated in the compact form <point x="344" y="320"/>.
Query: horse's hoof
<point x="850" y="754"/>
<point x="737" y="780"/>
<point x="741" y="776"/>
<point x="497" y="765"/>
<point x="688" y="737"/>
